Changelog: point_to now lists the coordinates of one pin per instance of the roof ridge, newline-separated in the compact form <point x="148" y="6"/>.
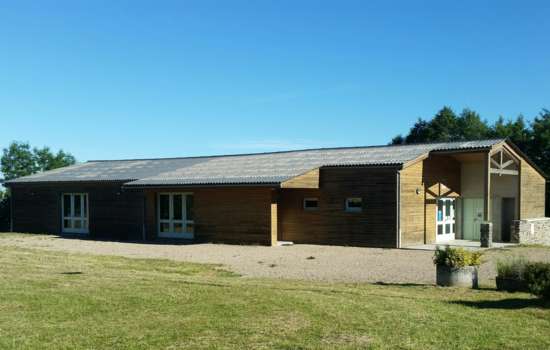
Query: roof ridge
<point x="293" y="151"/>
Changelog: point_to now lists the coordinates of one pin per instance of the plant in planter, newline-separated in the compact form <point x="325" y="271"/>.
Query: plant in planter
<point x="511" y="275"/>
<point x="456" y="267"/>
<point x="537" y="276"/>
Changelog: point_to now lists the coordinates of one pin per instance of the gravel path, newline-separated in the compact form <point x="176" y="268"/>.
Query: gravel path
<point x="309" y="262"/>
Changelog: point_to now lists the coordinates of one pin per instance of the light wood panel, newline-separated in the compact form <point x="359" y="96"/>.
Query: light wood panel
<point x="306" y="180"/>
<point x="532" y="195"/>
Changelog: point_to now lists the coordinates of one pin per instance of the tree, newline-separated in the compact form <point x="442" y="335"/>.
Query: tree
<point x="469" y="126"/>
<point x="46" y="160"/>
<point x="515" y="130"/>
<point x="533" y="139"/>
<point x="19" y="160"/>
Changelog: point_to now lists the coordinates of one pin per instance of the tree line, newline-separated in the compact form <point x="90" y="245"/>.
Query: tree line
<point x="533" y="138"/>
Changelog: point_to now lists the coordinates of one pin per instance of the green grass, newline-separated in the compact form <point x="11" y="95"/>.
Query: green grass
<point x="69" y="301"/>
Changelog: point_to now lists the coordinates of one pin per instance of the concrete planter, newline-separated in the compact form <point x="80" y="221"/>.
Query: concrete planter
<point x="456" y="277"/>
<point x="511" y="284"/>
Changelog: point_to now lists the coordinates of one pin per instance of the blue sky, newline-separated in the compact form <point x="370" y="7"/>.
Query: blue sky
<point x="127" y="79"/>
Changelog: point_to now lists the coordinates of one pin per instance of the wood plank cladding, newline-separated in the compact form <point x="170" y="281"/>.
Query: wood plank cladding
<point x="307" y="180"/>
<point x="113" y="213"/>
<point x="532" y="192"/>
<point x="436" y="176"/>
<point x="441" y="176"/>
<point x="412" y="218"/>
<point x="330" y="223"/>
<point x="223" y="214"/>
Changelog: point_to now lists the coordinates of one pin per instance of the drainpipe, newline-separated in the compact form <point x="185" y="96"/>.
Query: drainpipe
<point x="143" y="230"/>
<point x="11" y="211"/>
<point x="398" y="209"/>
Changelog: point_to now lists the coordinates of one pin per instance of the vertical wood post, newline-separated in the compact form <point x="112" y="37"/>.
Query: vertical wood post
<point x="487" y="188"/>
<point x="274" y="217"/>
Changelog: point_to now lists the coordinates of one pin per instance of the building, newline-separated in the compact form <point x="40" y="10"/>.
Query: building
<point x="380" y="196"/>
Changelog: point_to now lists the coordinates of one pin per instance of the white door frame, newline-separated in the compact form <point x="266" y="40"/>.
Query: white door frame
<point x="83" y="218"/>
<point x="446" y="222"/>
<point x="171" y="221"/>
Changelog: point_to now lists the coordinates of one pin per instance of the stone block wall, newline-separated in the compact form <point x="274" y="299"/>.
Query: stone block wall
<point x="532" y="231"/>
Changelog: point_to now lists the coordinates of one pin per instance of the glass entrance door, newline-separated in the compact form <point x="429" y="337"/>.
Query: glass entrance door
<point x="74" y="211"/>
<point x="175" y="215"/>
<point x="445" y="219"/>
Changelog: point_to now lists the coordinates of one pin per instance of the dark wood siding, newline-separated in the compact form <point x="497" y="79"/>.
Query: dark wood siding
<point x="230" y="214"/>
<point x="114" y="213"/>
<point x="330" y="223"/>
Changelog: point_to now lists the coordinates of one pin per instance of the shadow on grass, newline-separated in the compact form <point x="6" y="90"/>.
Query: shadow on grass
<point x="380" y="283"/>
<point x="72" y="273"/>
<point x="504" y="304"/>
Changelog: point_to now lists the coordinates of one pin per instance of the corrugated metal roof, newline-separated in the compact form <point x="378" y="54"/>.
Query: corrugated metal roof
<point x="261" y="168"/>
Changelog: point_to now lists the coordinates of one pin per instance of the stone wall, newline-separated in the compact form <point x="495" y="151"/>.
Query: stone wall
<point x="531" y="231"/>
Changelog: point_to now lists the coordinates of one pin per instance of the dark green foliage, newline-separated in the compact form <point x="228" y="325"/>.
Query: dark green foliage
<point x="512" y="268"/>
<point x="532" y="138"/>
<point x="537" y="275"/>
<point x="19" y="160"/>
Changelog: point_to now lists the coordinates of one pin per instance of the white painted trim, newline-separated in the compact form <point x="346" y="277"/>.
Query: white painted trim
<point x="184" y="222"/>
<point x="84" y="217"/>
<point x="445" y="237"/>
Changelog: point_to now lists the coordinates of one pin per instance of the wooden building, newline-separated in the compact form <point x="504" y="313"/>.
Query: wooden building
<point x="380" y="196"/>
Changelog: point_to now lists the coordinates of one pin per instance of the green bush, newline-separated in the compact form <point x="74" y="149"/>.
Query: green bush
<point x="512" y="268"/>
<point x="456" y="257"/>
<point x="537" y="275"/>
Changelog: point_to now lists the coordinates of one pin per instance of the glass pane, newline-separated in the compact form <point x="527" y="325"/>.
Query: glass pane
<point x="66" y="223"/>
<point x="447" y="228"/>
<point x="311" y="203"/>
<point x="78" y="224"/>
<point x="178" y="227"/>
<point x="178" y="206"/>
<point x="164" y="205"/>
<point x="454" y="228"/>
<point x="164" y="227"/>
<point x="355" y="202"/>
<point x="66" y="205"/>
<point x="447" y="208"/>
<point x="439" y="229"/>
<point x="189" y="228"/>
<point x="439" y="210"/>
<point x="77" y="205"/>
<point x="85" y="212"/>
<point x="190" y="213"/>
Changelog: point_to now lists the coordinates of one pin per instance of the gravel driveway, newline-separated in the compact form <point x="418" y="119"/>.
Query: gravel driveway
<point x="309" y="262"/>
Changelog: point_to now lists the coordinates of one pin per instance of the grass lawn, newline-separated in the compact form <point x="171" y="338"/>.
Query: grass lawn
<point x="69" y="301"/>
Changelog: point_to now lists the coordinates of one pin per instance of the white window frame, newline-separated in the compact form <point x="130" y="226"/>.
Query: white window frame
<point x="185" y="223"/>
<point x="354" y="209"/>
<point x="84" y="214"/>
<point x="310" y="199"/>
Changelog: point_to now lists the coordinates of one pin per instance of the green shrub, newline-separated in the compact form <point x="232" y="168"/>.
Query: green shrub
<point x="537" y="275"/>
<point x="512" y="268"/>
<point x="456" y="257"/>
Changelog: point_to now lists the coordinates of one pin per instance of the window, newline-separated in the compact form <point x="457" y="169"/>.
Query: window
<point x="175" y="213"/>
<point x="311" y="203"/>
<point x="74" y="212"/>
<point x="354" y="204"/>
